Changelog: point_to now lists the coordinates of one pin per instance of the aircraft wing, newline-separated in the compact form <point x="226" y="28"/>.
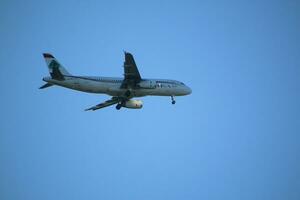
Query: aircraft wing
<point x="131" y="72"/>
<point x="107" y="103"/>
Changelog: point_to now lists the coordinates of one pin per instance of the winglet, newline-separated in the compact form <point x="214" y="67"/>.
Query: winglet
<point x="89" y="109"/>
<point x="47" y="55"/>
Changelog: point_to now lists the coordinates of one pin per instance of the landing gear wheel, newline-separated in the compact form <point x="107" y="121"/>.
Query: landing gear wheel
<point x="118" y="106"/>
<point x="173" y="100"/>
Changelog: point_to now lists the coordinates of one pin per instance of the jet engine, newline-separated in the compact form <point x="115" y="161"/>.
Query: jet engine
<point x="133" y="104"/>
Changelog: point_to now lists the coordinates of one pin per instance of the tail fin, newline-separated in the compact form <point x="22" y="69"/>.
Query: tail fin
<point x="56" y="70"/>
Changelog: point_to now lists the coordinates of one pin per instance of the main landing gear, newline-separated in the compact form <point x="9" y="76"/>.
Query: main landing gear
<point x="122" y="103"/>
<point x="128" y="93"/>
<point x="173" y="100"/>
<point x="118" y="106"/>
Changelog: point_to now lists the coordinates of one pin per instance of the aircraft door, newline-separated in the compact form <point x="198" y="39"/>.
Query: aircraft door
<point x="152" y="84"/>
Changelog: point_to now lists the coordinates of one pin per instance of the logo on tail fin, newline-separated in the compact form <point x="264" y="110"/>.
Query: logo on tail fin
<point x="54" y="71"/>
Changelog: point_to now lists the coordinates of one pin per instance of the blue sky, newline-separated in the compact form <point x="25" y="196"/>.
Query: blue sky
<point x="235" y="137"/>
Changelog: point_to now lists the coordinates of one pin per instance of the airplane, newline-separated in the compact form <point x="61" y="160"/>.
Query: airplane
<point x="122" y="90"/>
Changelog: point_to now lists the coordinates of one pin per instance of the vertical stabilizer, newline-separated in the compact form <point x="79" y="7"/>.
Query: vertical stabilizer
<point x="56" y="70"/>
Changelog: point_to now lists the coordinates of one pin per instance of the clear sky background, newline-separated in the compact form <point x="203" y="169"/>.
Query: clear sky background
<point x="235" y="137"/>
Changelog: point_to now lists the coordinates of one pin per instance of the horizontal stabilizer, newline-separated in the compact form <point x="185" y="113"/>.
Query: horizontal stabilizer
<point x="46" y="85"/>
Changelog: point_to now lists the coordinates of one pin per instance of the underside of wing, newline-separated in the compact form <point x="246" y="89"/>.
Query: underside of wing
<point x="131" y="72"/>
<point x="107" y="103"/>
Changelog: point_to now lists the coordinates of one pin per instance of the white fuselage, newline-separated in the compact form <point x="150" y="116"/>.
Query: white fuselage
<point x="112" y="86"/>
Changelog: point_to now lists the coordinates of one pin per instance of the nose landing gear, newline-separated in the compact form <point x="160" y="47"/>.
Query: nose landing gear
<point x="173" y="100"/>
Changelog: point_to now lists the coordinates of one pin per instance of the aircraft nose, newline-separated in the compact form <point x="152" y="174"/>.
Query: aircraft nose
<point x="188" y="90"/>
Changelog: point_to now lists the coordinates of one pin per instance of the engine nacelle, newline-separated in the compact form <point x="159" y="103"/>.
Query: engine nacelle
<point x="133" y="104"/>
